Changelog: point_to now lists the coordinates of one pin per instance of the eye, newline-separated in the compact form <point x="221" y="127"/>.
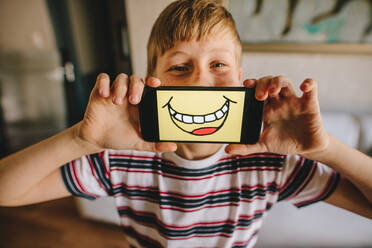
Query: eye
<point x="218" y="65"/>
<point x="178" y="68"/>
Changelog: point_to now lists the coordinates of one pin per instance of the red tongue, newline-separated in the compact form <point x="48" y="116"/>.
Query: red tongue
<point x="204" y="130"/>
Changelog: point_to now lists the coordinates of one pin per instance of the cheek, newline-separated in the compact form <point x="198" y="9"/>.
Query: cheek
<point x="229" y="79"/>
<point x="169" y="80"/>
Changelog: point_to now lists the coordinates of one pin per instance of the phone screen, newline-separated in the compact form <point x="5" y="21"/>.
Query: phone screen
<point x="198" y="115"/>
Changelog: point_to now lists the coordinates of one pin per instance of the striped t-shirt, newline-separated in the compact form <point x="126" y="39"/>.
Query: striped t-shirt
<point x="164" y="200"/>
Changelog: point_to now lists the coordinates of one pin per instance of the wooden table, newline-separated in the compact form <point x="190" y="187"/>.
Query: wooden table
<point x="55" y="224"/>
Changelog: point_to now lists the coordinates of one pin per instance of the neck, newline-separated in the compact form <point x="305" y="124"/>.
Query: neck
<point x="196" y="151"/>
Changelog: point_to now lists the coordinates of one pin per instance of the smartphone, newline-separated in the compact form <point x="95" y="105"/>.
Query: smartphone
<point x="200" y="114"/>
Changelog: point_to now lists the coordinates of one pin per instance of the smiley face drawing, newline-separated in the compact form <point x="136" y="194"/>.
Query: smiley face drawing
<point x="203" y="124"/>
<point x="200" y="115"/>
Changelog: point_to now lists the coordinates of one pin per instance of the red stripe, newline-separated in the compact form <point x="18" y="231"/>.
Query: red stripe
<point x="77" y="181"/>
<point x="201" y="208"/>
<point x="228" y="221"/>
<point x="195" y="235"/>
<point x="94" y="174"/>
<point x="150" y="158"/>
<point x="201" y="178"/>
<point x="242" y="243"/>
<point x="119" y="185"/>
<point x="133" y="156"/>
<point x="170" y="193"/>
<point x="138" y="198"/>
<point x="328" y="187"/>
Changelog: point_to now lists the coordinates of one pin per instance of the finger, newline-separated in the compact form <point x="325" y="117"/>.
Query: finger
<point x="238" y="149"/>
<point x="276" y="84"/>
<point x="261" y="88"/>
<point x="119" y="89"/>
<point x="309" y="87"/>
<point x="136" y="87"/>
<point x="103" y="85"/>
<point x="153" y="82"/>
<point x="310" y="90"/>
<point x="250" y="83"/>
<point x="166" y="147"/>
<point x="157" y="147"/>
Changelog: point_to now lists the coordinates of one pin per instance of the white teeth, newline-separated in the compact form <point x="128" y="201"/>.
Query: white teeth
<point x="187" y="119"/>
<point x="178" y="117"/>
<point x="210" y="117"/>
<point x="225" y="108"/>
<point x="198" y="119"/>
<point x="219" y="114"/>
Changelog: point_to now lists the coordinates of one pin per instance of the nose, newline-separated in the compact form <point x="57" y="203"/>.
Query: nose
<point x="201" y="77"/>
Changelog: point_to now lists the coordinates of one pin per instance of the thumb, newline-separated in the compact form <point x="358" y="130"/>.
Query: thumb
<point x="239" y="149"/>
<point x="166" y="147"/>
<point x="156" y="146"/>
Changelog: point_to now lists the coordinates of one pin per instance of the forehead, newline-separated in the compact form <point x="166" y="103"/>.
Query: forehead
<point x="222" y="43"/>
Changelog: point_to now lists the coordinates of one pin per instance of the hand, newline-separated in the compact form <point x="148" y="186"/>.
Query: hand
<point x="291" y="124"/>
<point x="111" y="118"/>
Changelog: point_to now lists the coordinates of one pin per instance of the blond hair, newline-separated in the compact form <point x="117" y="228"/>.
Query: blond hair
<point x="185" y="20"/>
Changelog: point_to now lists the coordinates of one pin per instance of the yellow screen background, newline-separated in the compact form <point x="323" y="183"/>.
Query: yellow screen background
<point x="200" y="103"/>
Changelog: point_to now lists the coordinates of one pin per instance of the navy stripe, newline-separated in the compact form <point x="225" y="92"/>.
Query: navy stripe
<point x="201" y="229"/>
<point x="298" y="180"/>
<point x="332" y="187"/>
<point x="144" y="242"/>
<point x="248" y="242"/>
<point x="99" y="167"/>
<point x="164" y="166"/>
<point x="69" y="182"/>
<point x="331" y="190"/>
<point x="186" y="203"/>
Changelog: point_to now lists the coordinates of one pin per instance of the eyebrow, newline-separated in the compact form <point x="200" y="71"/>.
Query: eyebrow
<point x="223" y="50"/>
<point x="176" y="53"/>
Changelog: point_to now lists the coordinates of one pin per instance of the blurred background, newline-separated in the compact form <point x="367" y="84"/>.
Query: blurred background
<point x="52" y="50"/>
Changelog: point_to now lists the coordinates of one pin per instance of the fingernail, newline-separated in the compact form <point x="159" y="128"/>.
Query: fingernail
<point x="103" y="92"/>
<point x="260" y="96"/>
<point x="134" y="99"/>
<point x="118" y="100"/>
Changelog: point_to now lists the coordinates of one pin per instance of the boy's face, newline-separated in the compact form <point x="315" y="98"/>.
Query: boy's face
<point x="211" y="61"/>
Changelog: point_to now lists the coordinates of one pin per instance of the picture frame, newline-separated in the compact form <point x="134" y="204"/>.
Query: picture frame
<point x="303" y="26"/>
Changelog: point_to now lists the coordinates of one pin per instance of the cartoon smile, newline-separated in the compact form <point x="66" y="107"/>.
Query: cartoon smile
<point x="205" y="124"/>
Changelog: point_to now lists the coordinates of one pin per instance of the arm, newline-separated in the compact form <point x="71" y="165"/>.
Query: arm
<point x="354" y="192"/>
<point x="27" y="172"/>
<point x="110" y="122"/>
<point x="293" y="125"/>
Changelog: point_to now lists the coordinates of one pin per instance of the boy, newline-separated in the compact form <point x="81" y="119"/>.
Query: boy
<point x="192" y="195"/>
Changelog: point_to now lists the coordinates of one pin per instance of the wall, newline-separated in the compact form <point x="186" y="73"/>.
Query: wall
<point x="344" y="80"/>
<point x="29" y="65"/>
<point x="141" y="15"/>
<point x="32" y="31"/>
